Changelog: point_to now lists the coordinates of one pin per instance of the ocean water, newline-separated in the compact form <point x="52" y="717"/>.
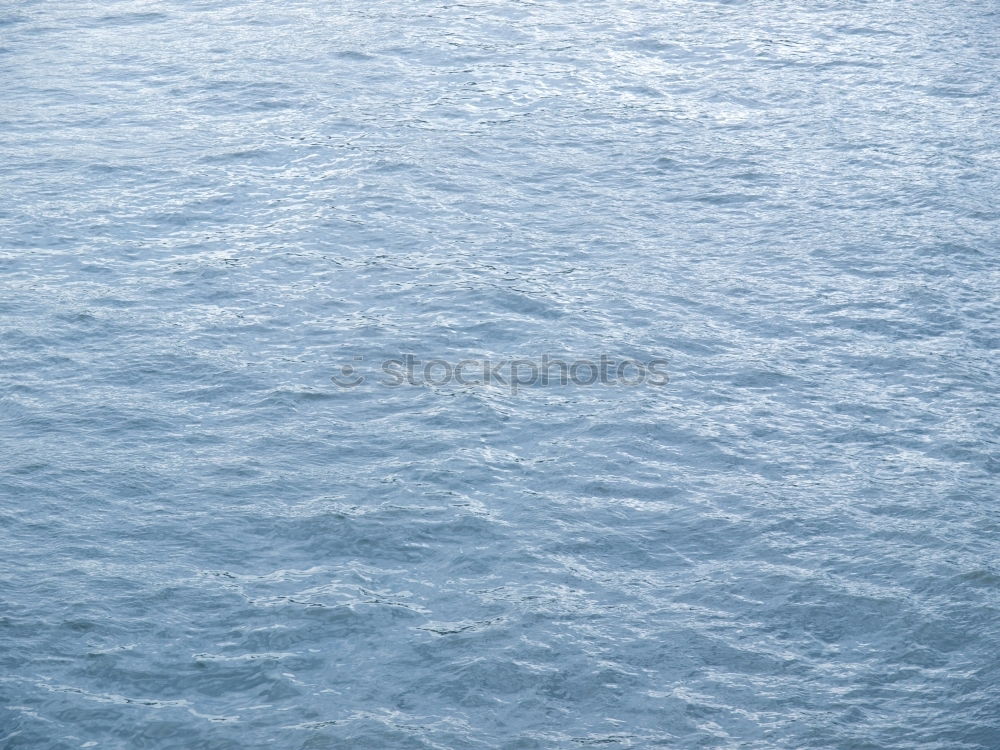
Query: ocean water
<point x="209" y="209"/>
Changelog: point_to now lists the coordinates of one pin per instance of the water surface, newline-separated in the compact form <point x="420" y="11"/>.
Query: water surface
<point x="206" y="208"/>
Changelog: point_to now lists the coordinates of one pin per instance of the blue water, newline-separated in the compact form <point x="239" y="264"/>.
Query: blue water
<point x="208" y="208"/>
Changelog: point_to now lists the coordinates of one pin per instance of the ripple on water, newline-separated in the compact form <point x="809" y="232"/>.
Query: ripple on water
<point x="206" y="210"/>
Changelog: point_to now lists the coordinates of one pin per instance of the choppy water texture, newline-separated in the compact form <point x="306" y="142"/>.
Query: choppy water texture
<point x="208" y="207"/>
